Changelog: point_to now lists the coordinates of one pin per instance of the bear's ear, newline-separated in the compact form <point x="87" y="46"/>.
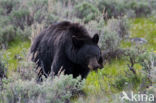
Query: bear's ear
<point x="77" y="42"/>
<point x="95" y="38"/>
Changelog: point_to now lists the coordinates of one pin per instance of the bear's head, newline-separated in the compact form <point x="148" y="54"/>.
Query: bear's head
<point x="89" y="54"/>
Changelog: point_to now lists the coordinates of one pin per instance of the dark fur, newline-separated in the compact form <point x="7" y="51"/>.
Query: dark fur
<point x="67" y="45"/>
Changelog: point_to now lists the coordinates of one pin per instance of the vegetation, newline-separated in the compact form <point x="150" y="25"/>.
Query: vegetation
<point x="127" y="31"/>
<point x="56" y="90"/>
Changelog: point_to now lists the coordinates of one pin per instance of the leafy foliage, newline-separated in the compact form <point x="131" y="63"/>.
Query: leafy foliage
<point x="3" y="69"/>
<point x="57" y="90"/>
<point x="86" y="11"/>
<point x="115" y="31"/>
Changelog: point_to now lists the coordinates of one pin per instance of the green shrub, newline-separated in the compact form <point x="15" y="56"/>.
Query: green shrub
<point x="70" y="2"/>
<point x="117" y="8"/>
<point x="24" y="34"/>
<point x="4" y="21"/>
<point x="8" y="5"/>
<point x="95" y="26"/>
<point x="111" y="8"/>
<point x="57" y="90"/>
<point x="127" y="82"/>
<point x="120" y="26"/>
<point x="18" y="16"/>
<point x="121" y="83"/>
<point x="21" y="18"/>
<point x="7" y="34"/>
<point x="141" y="8"/>
<point x="112" y="34"/>
<point x="25" y="70"/>
<point x="86" y="11"/>
<point x="38" y="10"/>
<point x="140" y="64"/>
<point x="109" y="40"/>
<point x="3" y="69"/>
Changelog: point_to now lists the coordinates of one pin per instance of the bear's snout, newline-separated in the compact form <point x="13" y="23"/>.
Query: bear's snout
<point x="93" y="64"/>
<point x="96" y="67"/>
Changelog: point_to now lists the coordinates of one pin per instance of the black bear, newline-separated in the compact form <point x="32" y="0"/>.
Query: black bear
<point x="68" y="46"/>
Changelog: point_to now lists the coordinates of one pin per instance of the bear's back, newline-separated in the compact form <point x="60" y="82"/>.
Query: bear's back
<point x="70" y="29"/>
